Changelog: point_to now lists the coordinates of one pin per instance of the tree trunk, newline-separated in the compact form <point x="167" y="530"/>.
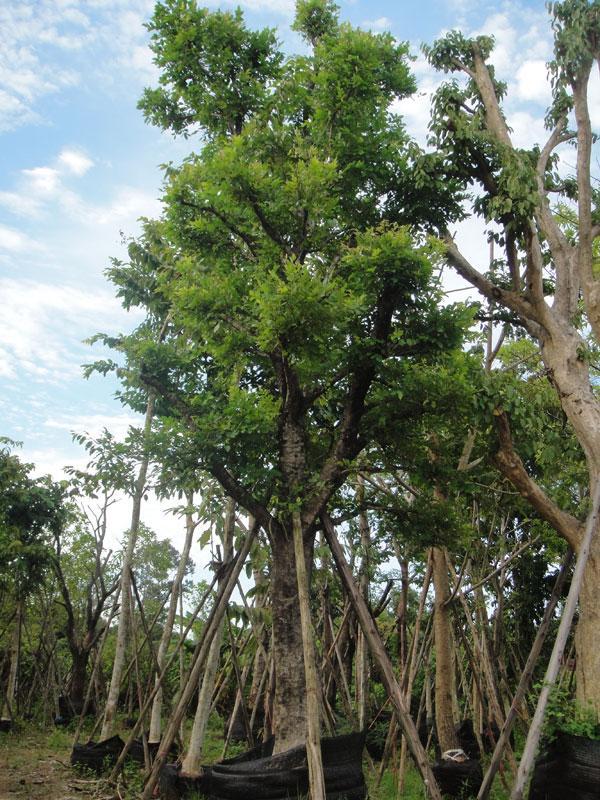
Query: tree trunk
<point x="362" y="651"/>
<point x="192" y="761"/>
<point x="444" y="665"/>
<point x="190" y="527"/>
<point x="535" y="729"/>
<point x="289" y="708"/>
<point x="80" y="661"/>
<point x="112" y="700"/>
<point x="586" y="634"/>
<point x="9" y="707"/>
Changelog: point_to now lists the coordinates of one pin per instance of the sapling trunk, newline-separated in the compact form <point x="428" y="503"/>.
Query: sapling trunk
<point x="444" y="666"/>
<point x="525" y="680"/>
<point x="112" y="700"/>
<point x="155" y="719"/>
<point x="192" y="760"/>
<point x="214" y="619"/>
<point x="9" y="708"/>
<point x="382" y="659"/>
<point x="362" y="650"/>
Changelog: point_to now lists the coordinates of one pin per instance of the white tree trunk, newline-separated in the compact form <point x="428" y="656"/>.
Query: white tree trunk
<point x="112" y="700"/>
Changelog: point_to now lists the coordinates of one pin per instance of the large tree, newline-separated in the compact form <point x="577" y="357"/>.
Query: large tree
<point x="302" y="280"/>
<point x="548" y="278"/>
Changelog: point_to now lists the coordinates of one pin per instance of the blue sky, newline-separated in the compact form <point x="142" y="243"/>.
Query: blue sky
<point x="78" y="166"/>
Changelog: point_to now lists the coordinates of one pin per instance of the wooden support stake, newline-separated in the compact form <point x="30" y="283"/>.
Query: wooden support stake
<point x="383" y="660"/>
<point x="214" y="619"/>
<point x="313" y="733"/>
<point x="525" y="680"/>
<point x="564" y="628"/>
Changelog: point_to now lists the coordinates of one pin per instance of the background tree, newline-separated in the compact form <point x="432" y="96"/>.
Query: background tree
<point x="548" y="279"/>
<point x="31" y="512"/>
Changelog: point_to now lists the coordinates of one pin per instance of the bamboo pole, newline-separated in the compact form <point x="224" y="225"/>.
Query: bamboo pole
<point x="214" y="619"/>
<point x="525" y="680"/>
<point x="167" y="632"/>
<point x="383" y="660"/>
<point x="564" y="628"/>
<point x="313" y="733"/>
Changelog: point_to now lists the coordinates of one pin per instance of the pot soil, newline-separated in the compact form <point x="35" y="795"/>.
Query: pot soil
<point x="567" y="766"/>
<point x="459" y="778"/>
<point x="274" y="777"/>
<point x="97" y="756"/>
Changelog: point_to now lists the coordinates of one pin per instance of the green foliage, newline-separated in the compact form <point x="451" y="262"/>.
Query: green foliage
<point x="454" y="50"/>
<point x="292" y="243"/>
<point x="576" y="25"/>
<point x="566" y="715"/>
<point x="315" y="19"/>
<point x="214" y="71"/>
<point x="32" y="513"/>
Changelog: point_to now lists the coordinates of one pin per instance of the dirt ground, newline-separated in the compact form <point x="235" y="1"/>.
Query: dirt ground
<point x="34" y="764"/>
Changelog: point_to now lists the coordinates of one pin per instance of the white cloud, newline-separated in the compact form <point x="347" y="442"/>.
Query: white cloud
<point x="42" y="325"/>
<point x="44" y="180"/>
<point x="416" y="110"/>
<point x="528" y="130"/>
<point x="75" y="161"/>
<point x="532" y="82"/>
<point x="94" y="424"/>
<point x="128" y="204"/>
<point x="47" y="45"/>
<point x="14" y="241"/>
<point x="380" y="24"/>
<point x="22" y="205"/>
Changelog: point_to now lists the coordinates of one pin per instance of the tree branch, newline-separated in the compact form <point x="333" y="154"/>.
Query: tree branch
<point x="567" y="286"/>
<point x="510" y="465"/>
<point x="511" y="300"/>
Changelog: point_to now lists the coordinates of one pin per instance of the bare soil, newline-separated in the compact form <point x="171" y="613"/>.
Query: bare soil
<point x="34" y="764"/>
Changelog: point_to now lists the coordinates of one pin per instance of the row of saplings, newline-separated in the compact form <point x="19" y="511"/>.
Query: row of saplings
<point x="566" y="762"/>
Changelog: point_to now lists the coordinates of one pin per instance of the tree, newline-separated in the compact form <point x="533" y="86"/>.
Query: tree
<point x="82" y="568"/>
<point x="547" y="279"/>
<point x="32" y="511"/>
<point x="303" y="278"/>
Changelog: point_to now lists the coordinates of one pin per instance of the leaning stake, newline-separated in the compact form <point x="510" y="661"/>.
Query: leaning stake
<point x="313" y="733"/>
<point x="212" y="623"/>
<point x="383" y="660"/>
<point x="533" y="737"/>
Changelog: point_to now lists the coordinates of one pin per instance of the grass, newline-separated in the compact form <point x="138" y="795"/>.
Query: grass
<point x="34" y="764"/>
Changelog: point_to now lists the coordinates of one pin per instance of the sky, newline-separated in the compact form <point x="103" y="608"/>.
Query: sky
<point x="79" y="167"/>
